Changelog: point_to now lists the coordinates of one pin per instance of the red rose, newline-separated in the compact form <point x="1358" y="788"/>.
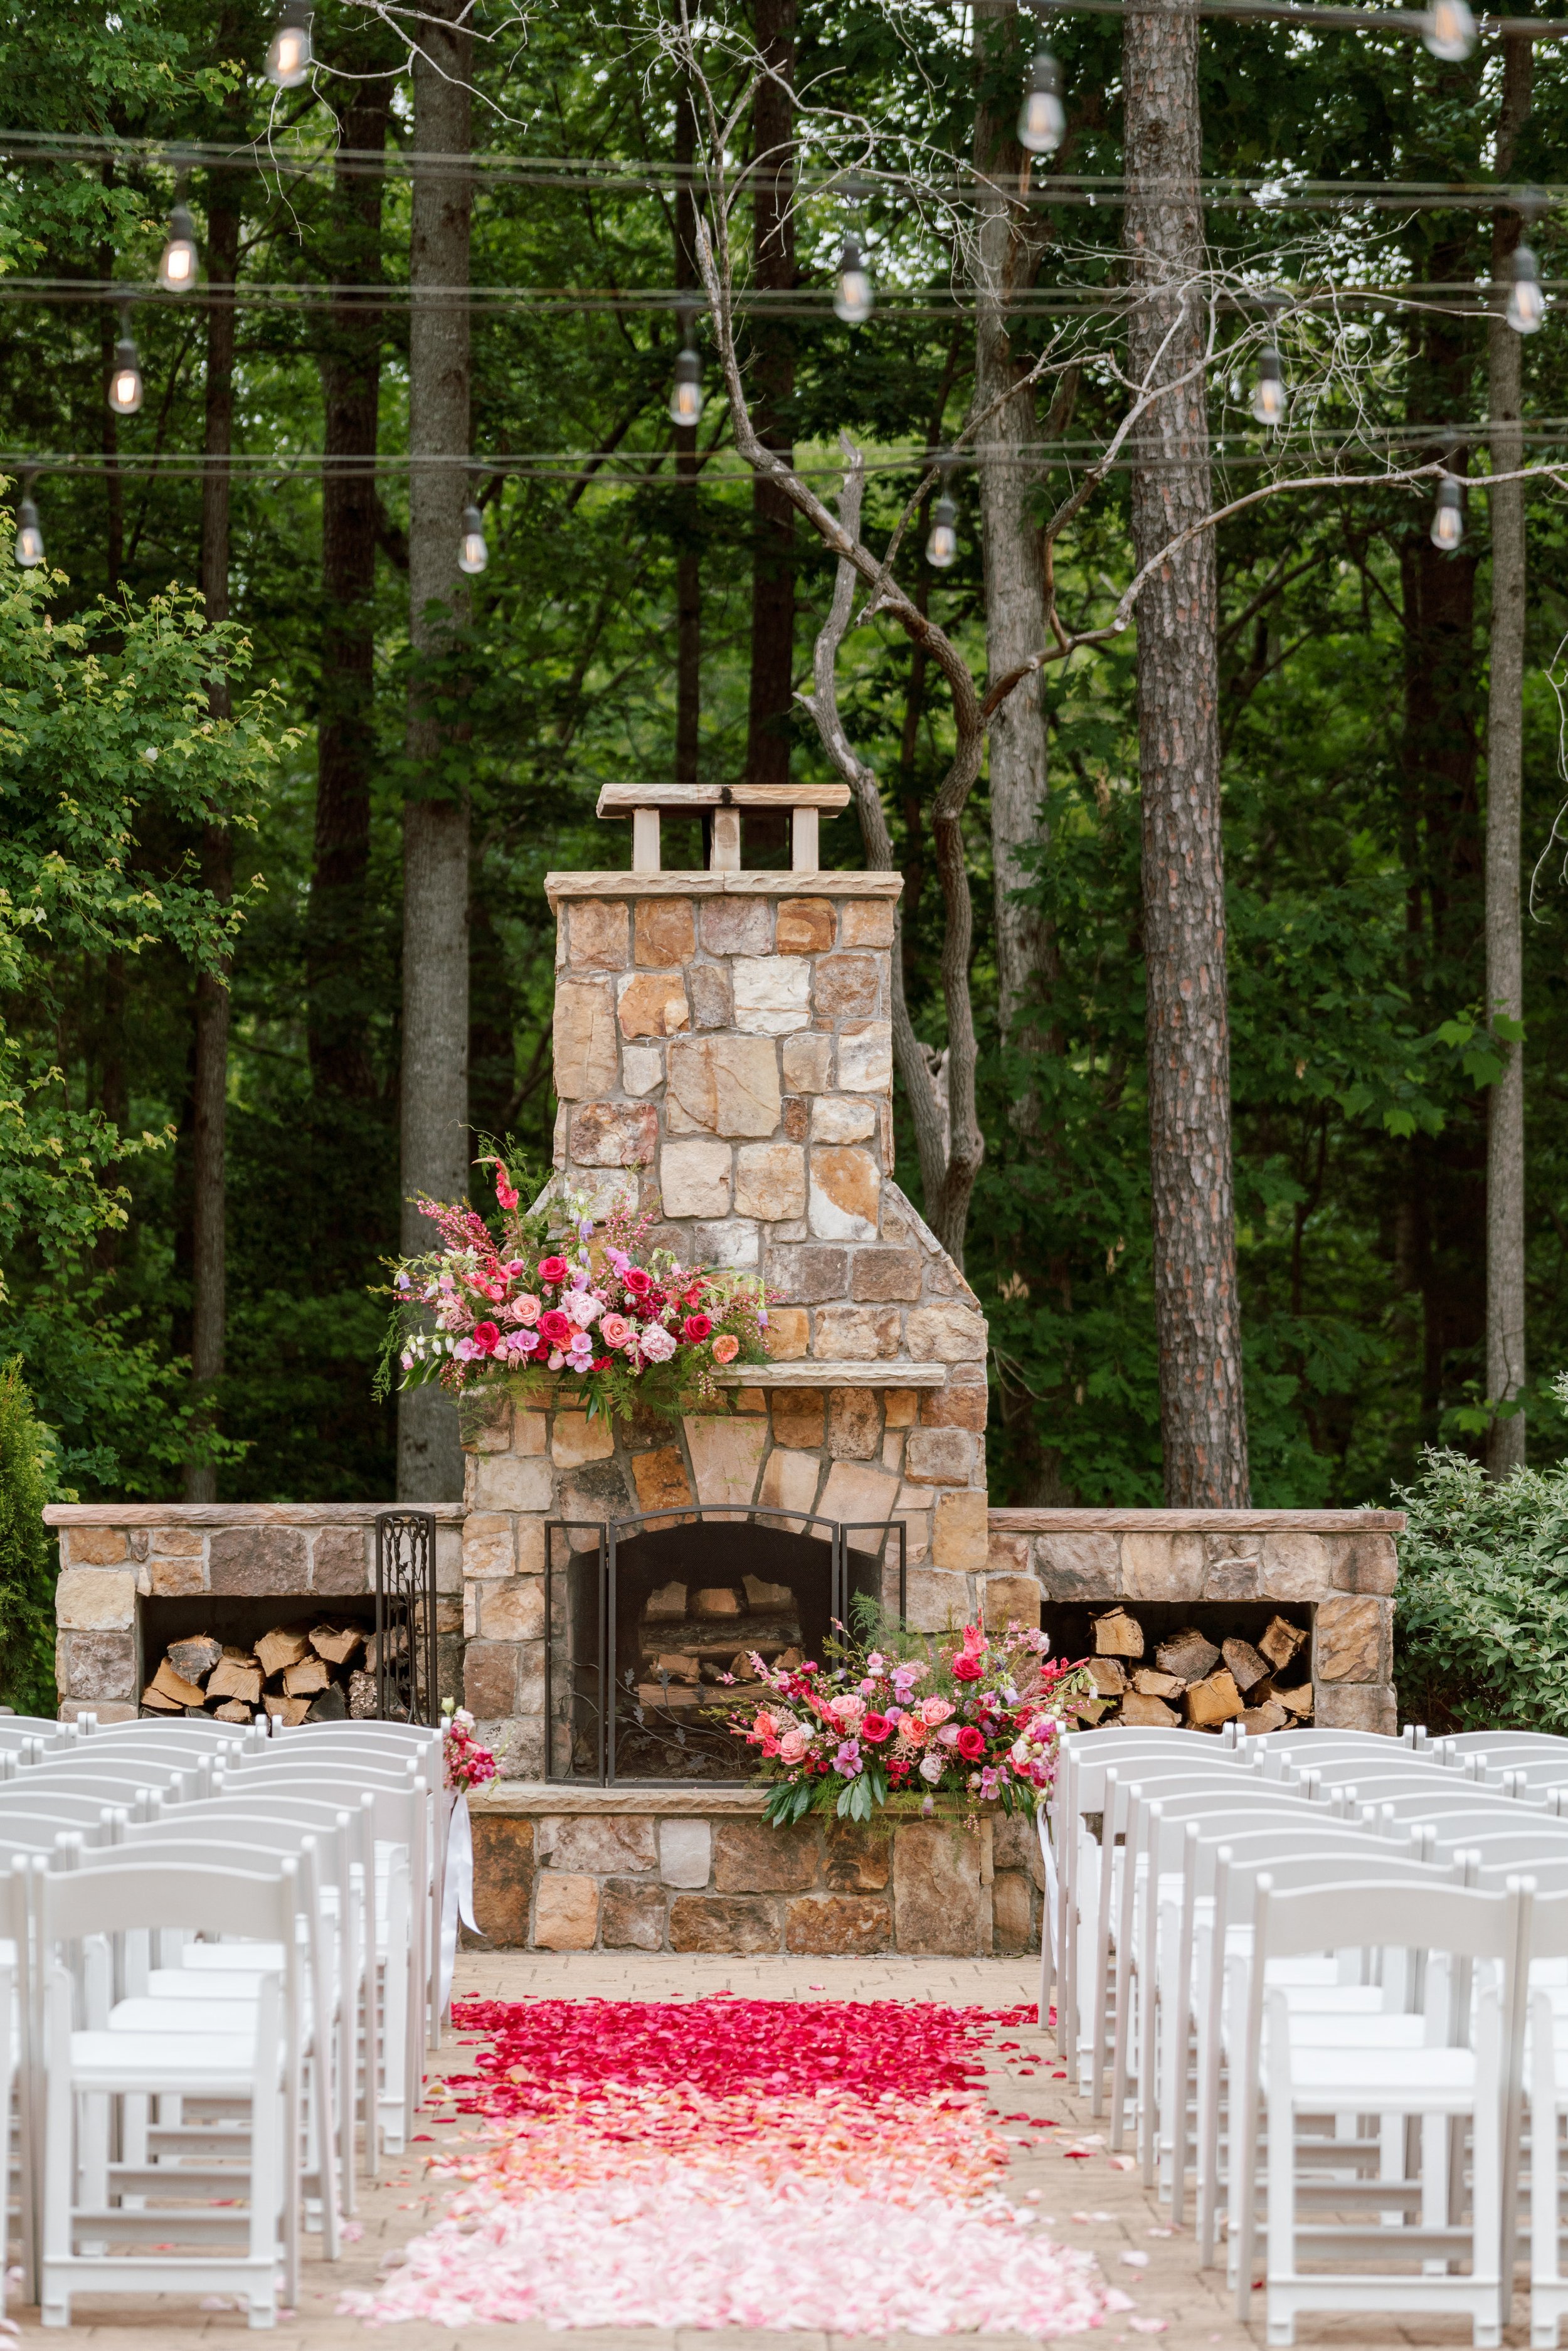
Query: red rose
<point x="696" y="1328"/>
<point x="555" y="1329"/>
<point x="552" y="1269"/>
<point x="971" y="1743"/>
<point x="875" y="1728"/>
<point x="638" y="1282"/>
<point x="966" y="1669"/>
<point x="485" y="1335"/>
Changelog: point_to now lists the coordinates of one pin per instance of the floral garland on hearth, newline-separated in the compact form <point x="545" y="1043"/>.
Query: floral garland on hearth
<point x="895" y="1715"/>
<point x="556" y="1295"/>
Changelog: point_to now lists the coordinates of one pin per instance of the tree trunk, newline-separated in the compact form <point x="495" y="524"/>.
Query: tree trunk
<point x="210" y="1078"/>
<point x="688" y="559"/>
<point x="1505" y="762"/>
<point x="434" y="1107"/>
<point x="771" y="700"/>
<point x="1198" y="1316"/>
<point x="1014" y="574"/>
<point x="345" y="740"/>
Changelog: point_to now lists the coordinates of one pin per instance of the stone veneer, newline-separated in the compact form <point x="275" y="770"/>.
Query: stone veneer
<point x="559" y="1869"/>
<point x="1342" y="1562"/>
<point x="111" y="1554"/>
<point x="724" y="1047"/>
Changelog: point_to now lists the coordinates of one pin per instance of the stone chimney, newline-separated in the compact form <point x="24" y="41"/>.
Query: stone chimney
<point x="723" y="1045"/>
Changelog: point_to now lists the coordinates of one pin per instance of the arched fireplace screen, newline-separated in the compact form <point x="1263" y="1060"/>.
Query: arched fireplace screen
<point x="652" y="1621"/>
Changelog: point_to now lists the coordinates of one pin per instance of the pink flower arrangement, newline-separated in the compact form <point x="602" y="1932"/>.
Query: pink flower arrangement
<point x="906" y="1717"/>
<point x="468" y="1765"/>
<point x="558" y="1293"/>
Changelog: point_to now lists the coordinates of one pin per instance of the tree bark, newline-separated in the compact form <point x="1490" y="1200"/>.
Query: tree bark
<point x="1198" y="1313"/>
<point x="435" y="1105"/>
<point x="1505" y="766"/>
<point x="345" y="738"/>
<point x="1014" y="571"/>
<point x="209" y="1271"/>
<point x="773" y="388"/>
<point x="688" y="559"/>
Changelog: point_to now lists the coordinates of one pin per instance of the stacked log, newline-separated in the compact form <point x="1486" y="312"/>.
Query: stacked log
<point x="1200" y="1683"/>
<point x="296" y="1673"/>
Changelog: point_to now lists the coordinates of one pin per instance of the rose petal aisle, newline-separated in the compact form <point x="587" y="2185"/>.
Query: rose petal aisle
<point x="825" y="2165"/>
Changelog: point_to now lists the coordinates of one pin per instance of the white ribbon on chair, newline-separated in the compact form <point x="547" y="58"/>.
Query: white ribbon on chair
<point x="458" y="1893"/>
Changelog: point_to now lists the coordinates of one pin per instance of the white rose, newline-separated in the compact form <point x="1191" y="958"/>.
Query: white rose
<point x="931" y="1768"/>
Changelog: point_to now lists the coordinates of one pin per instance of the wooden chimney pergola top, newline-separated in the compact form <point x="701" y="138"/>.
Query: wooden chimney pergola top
<point x="646" y="803"/>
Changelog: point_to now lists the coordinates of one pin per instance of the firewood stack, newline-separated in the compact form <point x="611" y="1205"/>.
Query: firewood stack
<point x="296" y="1673"/>
<point x="1195" y="1681"/>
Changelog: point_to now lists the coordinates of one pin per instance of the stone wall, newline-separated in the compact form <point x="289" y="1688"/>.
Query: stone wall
<point x="561" y="1870"/>
<point x="114" y="1553"/>
<point x="1343" y="1563"/>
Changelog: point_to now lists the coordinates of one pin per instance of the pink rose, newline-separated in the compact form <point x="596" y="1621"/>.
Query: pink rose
<point x="525" y="1310"/>
<point x="968" y="1667"/>
<point x="696" y="1328"/>
<point x="487" y="1338"/>
<point x="638" y="1282"/>
<point x="794" y="1746"/>
<point x="971" y="1743"/>
<point x="614" y="1329"/>
<point x="552" y="1269"/>
<point x="555" y="1328"/>
<point x="935" y="1710"/>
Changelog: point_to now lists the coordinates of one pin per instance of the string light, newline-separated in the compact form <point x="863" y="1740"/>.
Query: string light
<point x="177" y="269"/>
<point x="1449" y="516"/>
<point x="855" y="297"/>
<point x="30" y="546"/>
<point x="125" y="384"/>
<point x="941" y="542"/>
<point x="1526" y="302"/>
<point x="1268" y="394"/>
<point x="474" y="554"/>
<point x="289" y="56"/>
<point x="1042" y="118"/>
<point x="686" y="390"/>
<point x="1450" y="31"/>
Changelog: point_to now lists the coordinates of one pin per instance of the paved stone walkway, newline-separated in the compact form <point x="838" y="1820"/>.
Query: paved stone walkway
<point x="1090" y="2203"/>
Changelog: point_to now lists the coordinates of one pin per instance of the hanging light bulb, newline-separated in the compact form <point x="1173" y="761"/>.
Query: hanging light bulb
<point x="1269" y="392"/>
<point x="942" y="546"/>
<point x="1042" y="118"/>
<point x="854" y="294"/>
<point x="1448" y="515"/>
<point x="177" y="269"/>
<point x="288" y="55"/>
<point x="687" y="390"/>
<point x="30" y="549"/>
<point x="1526" y="302"/>
<point x="125" y="384"/>
<point x="1450" y="31"/>
<point x="476" y="554"/>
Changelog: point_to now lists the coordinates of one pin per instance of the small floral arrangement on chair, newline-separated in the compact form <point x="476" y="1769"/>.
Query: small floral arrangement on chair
<point x="468" y="1765"/>
<point x="557" y="1293"/>
<point x="896" y="1714"/>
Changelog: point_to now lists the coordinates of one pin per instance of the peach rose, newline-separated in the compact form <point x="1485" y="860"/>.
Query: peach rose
<point x="725" y="1347"/>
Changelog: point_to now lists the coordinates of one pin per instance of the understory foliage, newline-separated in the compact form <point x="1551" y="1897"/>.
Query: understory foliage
<point x="28" y="1479"/>
<point x="1482" y="1628"/>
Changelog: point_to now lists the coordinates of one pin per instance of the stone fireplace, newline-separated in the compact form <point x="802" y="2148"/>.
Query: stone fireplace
<point x="724" y="1047"/>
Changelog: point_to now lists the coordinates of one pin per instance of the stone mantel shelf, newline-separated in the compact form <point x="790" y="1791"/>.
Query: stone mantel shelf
<point x="710" y="884"/>
<point x="882" y="1372"/>
<point x="1197" y="1522"/>
<point x="238" y="1514"/>
<point x="527" y="1799"/>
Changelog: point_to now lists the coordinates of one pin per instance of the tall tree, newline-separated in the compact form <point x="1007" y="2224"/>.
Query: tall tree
<point x="1505" y="1364"/>
<point x="362" y="85"/>
<point x="773" y="389"/>
<point x="1202" y="1425"/>
<point x="688" y="559"/>
<point x="434" y="1104"/>
<point x="1008" y="472"/>
<point x="209" y="1176"/>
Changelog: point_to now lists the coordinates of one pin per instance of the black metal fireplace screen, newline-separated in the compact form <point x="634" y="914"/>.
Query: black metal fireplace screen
<point x="651" y="1623"/>
<point x="405" y="1665"/>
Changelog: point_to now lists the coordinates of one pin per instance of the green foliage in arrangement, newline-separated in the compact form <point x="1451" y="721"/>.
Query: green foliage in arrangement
<point x="28" y="1478"/>
<point x="1482" y="1628"/>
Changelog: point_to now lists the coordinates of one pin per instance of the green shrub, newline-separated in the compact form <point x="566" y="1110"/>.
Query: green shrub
<point x="27" y="1480"/>
<point x="1481" y="1626"/>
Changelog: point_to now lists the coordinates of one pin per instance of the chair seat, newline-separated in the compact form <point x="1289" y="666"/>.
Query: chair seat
<point x="1364" y="2080"/>
<point x="189" y="2064"/>
<point x="219" y="2016"/>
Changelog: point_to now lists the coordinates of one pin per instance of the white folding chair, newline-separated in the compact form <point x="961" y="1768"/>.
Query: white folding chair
<point x="259" y="2068"/>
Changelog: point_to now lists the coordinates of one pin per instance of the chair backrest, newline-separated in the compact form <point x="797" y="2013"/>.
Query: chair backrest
<point x="87" y="1772"/>
<point x="1543" y="1840"/>
<point x="1462" y="1742"/>
<point x="1211" y="1826"/>
<point x="1255" y="1847"/>
<point x="1344" y="1916"/>
<point x="118" y="1896"/>
<point x="1449" y="1800"/>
